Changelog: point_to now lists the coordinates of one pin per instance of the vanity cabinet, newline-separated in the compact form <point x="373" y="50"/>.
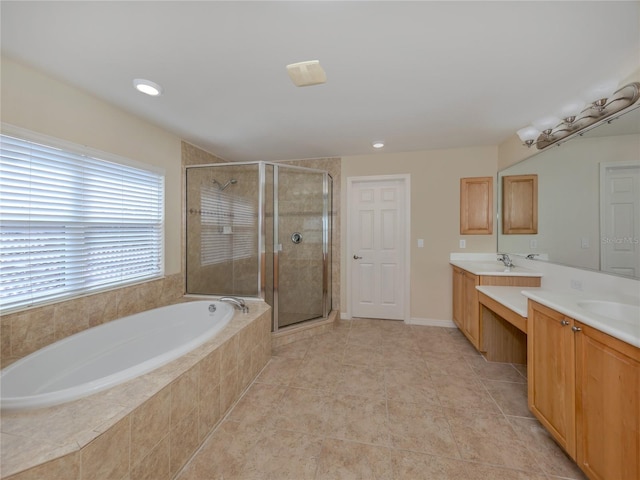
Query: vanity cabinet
<point x="458" y="287"/>
<point x="551" y="373"/>
<point x="584" y="387"/>
<point x="466" y="306"/>
<point x="465" y="301"/>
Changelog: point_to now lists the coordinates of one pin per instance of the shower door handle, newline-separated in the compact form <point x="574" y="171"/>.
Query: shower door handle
<point x="355" y="257"/>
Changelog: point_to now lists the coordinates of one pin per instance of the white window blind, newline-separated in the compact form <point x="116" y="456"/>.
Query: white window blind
<point x="229" y="227"/>
<point x="71" y="223"/>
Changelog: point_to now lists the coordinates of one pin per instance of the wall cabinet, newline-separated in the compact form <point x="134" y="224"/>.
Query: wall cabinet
<point x="466" y="306"/>
<point x="520" y="204"/>
<point x="584" y="387"/>
<point x="476" y="206"/>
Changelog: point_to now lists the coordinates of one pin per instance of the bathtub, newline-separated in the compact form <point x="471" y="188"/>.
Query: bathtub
<point x="103" y="356"/>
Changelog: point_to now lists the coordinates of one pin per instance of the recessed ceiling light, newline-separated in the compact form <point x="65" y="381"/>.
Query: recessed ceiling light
<point x="147" y="86"/>
<point x="378" y="144"/>
<point x="304" y="74"/>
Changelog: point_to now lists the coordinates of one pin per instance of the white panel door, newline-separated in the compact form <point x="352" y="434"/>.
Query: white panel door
<point x="620" y="218"/>
<point x="377" y="239"/>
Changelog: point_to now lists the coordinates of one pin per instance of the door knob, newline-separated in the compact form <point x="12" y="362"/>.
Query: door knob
<point x="355" y="257"/>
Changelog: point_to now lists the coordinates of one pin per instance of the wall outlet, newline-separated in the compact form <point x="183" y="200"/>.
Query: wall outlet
<point x="421" y="243"/>
<point x="533" y="244"/>
<point x="463" y="244"/>
<point x="584" y="242"/>
<point x="576" y="284"/>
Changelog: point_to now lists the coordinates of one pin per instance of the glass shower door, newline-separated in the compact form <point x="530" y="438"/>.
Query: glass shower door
<point x="222" y="230"/>
<point x="301" y="216"/>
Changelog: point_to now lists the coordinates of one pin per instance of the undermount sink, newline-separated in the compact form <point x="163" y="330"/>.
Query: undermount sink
<point x="614" y="310"/>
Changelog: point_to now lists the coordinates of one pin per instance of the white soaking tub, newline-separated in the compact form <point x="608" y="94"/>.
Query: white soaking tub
<point x="109" y="354"/>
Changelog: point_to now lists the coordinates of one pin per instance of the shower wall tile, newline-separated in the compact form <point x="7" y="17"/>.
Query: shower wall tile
<point x="24" y="332"/>
<point x="192" y="155"/>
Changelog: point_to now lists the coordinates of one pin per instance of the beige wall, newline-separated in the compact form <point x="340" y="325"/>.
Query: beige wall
<point x="42" y="104"/>
<point x="435" y="217"/>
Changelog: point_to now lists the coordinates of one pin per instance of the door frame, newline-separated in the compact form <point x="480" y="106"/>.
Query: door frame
<point x="406" y="205"/>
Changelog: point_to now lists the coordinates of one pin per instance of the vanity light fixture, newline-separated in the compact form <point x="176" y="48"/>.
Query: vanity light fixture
<point x="575" y="116"/>
<point x="378" y="144"/>
<point x="147" y="87"/>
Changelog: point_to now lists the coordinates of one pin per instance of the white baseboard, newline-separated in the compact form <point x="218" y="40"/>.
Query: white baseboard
<point x="431" y="322"/>
<point x="427" y="322"/>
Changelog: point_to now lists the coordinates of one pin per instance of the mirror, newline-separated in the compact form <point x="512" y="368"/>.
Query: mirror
<point x="588" y="200"/>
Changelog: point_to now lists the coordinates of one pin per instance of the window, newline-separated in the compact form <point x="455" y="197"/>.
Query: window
<point x="74" y="221"/>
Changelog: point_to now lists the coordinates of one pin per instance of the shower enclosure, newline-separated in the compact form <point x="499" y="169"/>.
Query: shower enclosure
<point x="261" y="230"/>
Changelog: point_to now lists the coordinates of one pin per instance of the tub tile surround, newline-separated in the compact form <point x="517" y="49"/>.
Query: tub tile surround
<point x="148" y="427"/>
<point x="29" y="330"/>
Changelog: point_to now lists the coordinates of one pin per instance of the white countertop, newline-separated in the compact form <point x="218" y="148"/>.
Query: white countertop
<point x="567" y="303"/>
<point x="510" y="297"/>
<point x="493" y="268"/>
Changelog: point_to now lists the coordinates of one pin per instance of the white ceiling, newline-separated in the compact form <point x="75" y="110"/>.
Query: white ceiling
<point x="420" y="75"/>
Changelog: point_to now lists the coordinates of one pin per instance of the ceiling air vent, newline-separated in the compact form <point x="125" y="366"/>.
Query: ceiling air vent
<point x="304" y="74"/>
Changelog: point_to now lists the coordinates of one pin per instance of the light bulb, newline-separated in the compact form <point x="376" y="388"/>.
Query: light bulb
<point x="147" y="87"/>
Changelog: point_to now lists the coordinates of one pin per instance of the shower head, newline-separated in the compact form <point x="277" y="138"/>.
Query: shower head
<point x="233" y="181"/>
<point x="221" y="187"/>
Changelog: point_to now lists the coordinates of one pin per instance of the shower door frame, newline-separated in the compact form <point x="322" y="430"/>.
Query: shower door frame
<point x="262" y="231"/>
<point x="277" y="245"/>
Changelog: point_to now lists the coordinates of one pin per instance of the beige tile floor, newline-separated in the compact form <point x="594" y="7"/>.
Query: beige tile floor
<point x="376" y="399"/>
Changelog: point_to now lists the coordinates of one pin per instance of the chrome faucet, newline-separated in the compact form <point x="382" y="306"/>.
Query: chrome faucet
<point x="504" y="258"/>
<point x="238" y="303"/>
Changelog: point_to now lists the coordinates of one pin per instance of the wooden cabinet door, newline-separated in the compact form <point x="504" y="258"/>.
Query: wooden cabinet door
<point x="476" y="206"/>
<point x="458" y="292"/>
<point x="551" y="373"/>
<point x="471" y="309"/>
<point x="608" y="406"/>
<point x="520" y="204"/>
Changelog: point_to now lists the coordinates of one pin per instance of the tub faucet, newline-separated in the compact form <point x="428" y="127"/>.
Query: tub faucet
<point x="238" y="303"/>
<point x="504" y="258"/>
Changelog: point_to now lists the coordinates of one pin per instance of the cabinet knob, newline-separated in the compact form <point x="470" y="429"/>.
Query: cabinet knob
<point x="564" y="323"/>
<point x="576" y="329"/>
